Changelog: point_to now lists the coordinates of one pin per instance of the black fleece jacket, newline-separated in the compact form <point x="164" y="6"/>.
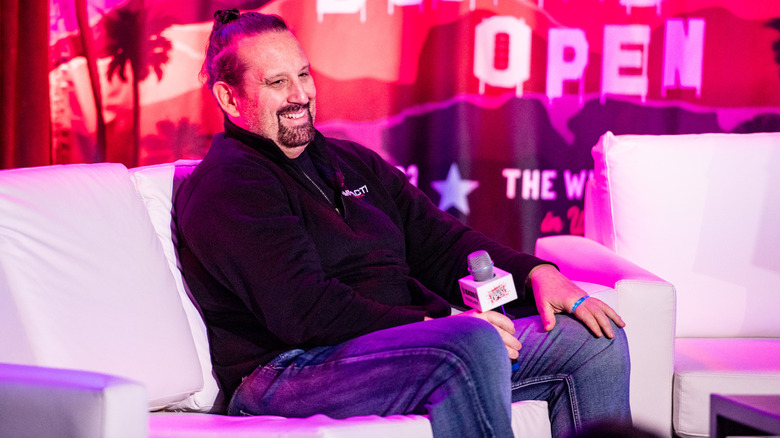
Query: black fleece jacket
<point x="274" y="264"/>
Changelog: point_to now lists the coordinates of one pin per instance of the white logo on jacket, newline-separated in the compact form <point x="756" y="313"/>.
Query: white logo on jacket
<point x="358" y="193"/>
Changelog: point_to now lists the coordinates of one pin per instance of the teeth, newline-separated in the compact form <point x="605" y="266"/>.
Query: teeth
<point x="294" y="116"/>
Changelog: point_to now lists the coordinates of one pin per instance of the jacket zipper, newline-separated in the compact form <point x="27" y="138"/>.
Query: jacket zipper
<point x="319" y="189"/>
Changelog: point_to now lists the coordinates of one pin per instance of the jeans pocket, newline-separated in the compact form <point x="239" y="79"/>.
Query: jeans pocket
<point x="247" y="399"/>
<point x="284" y="360"/>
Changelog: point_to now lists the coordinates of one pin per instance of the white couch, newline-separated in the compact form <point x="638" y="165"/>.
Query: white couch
<point x="702" y="212"/>
<point x="99" y="337"/>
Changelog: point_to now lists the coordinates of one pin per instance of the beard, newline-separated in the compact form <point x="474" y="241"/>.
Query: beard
<point x="299" y="135"/>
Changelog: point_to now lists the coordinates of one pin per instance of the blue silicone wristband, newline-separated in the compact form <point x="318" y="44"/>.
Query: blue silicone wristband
<point x="577" y="304"/>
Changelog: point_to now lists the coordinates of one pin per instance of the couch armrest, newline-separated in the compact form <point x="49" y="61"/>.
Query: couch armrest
<point x="582" y="259"/>
<point x="50" y="402"/>
<point x="646" y="303"/>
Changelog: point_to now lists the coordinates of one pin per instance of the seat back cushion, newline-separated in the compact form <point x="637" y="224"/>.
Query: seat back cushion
<point x="84" y="283"/>
<point x="157" y="184"/>
<point x="702" y="212"/>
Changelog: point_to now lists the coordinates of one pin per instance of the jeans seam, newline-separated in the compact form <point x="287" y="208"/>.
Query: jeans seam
<point x="566" y="379"/>
<point x="575" y="411"/>
<point x="537" y="380"/>
<point x="448" y="355"/>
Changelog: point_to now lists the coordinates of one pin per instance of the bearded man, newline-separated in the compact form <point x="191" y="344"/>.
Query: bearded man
<point x="318" y="301"/>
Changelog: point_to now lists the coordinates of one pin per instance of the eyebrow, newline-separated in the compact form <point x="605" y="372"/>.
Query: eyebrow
<point x="274" y="76"/>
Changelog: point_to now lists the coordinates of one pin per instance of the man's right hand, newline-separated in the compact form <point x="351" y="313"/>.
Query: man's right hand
<point x="504" y="325"/>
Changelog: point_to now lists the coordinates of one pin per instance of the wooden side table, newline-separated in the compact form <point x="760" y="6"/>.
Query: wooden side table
<point x="744" y="415"/>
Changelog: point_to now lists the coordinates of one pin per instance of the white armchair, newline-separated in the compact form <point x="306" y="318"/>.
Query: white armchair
<point x="647" y="305"/>
<point x="54" y="403"/>
<point x="701" y="212"/>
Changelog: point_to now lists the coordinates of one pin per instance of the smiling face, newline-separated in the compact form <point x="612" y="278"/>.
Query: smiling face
<point x="277" y="97"/>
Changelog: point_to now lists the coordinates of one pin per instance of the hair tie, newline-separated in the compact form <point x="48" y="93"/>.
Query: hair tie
<point x="226" y="16"/>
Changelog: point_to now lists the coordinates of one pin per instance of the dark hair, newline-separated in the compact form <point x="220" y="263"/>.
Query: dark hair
<point x="222" y="61"/>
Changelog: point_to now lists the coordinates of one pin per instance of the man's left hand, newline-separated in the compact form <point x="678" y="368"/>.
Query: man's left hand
<point x="554" y="293"/>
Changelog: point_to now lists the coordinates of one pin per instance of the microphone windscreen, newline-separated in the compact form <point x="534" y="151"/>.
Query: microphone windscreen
<point x="480" y="265"/>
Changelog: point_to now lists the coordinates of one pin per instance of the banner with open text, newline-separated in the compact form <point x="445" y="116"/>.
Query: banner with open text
<point x="491" y="107"/>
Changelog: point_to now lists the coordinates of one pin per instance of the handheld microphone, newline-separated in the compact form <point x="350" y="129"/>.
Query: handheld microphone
<point x="487" y="287"/>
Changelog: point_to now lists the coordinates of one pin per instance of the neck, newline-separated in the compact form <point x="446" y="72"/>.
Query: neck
<point x="293" y="152"/>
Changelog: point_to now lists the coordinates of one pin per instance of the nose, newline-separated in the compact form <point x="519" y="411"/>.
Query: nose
<point x="300" y="92"/>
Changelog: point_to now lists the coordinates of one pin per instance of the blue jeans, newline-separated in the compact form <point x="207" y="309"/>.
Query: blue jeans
<point x="456" y="371"/>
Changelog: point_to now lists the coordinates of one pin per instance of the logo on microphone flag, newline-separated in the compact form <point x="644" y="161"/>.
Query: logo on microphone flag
<point x="487" y="295"/>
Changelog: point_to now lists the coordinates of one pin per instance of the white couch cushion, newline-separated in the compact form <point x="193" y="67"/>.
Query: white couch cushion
<point x="156" y="185"/>
<point x="700" y="211"/>
<point x="84" y="283"/>
<point x="529" y="419"/>
<point x="266" y="426"/>
<point x="720" y="366"/>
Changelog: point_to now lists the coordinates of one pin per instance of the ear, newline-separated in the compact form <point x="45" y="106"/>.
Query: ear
<point x="226" y="98"/>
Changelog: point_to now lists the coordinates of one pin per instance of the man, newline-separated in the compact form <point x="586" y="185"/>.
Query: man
<point x="321" y="301"/>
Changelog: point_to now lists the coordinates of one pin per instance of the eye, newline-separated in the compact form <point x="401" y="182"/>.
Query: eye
<point x="275" y="83"/>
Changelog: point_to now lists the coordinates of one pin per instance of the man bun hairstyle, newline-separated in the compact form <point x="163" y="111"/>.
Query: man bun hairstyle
<point x="222" y="61"/>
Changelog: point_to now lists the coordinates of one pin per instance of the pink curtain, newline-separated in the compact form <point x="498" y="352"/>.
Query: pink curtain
<point x="24" y="84"/>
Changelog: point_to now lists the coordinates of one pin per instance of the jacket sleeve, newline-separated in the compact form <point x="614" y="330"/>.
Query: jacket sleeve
<point x="241" y="227"/>
<point x="438" y="244"/>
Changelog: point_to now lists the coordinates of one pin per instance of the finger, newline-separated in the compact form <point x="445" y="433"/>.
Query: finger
<point x="608" y="311"/>
<point x="502" y="324"/>
<point x="614" y="316"/>
<point x="585" y="314"/>
<point x="510" y="341"/>
<point x="604" y="323"/>
<point x="547" y="314"/>
<point x="500" y="321"/>
<point x="592" y="323"/>
<point x="597" y="316"/>
<point x="604" y="316"/>
<point x="512" y="344"/>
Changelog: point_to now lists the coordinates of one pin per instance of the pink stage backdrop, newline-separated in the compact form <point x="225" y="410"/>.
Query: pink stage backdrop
<point x="489" y="106"/>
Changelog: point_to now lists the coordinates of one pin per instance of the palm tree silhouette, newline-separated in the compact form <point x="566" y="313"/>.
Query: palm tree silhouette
<point x="133" y="40"/>
<point x="774" y="23"/>
<point x="181" y="140"/>
<point x="85" y="36"/>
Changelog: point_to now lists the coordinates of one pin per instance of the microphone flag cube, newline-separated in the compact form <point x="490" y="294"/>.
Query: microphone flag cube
<point x="489" y="294"/>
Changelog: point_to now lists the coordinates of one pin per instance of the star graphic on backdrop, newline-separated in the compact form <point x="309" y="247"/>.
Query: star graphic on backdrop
<point x="454" y="190"/>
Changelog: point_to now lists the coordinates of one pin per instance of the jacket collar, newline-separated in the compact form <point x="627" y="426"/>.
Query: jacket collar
<point x="317" y="150"/>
